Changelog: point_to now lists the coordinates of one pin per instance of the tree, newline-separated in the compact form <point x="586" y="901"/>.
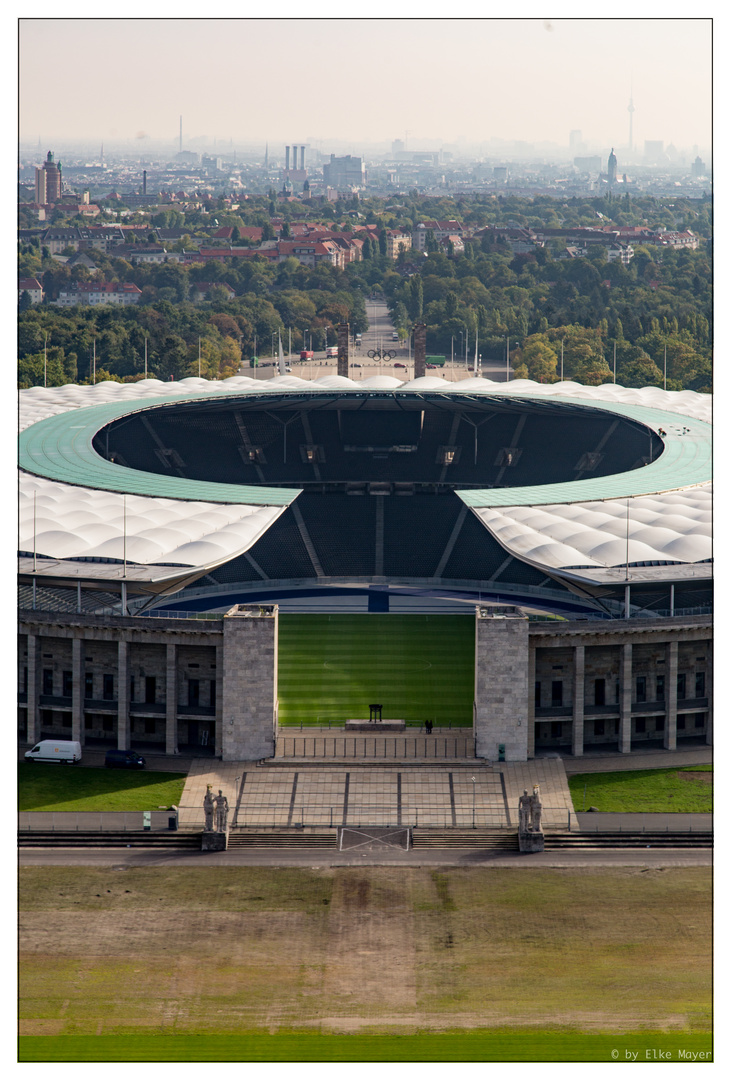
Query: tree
<point x="24" y="301"/>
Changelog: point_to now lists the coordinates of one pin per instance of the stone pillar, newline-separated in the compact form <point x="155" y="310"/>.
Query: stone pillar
<point x="625" y="699"/>
<point x="501" y="686"/>
<point x="531" y="703"/>
<point x="77" y="689"/>
<point x="670" y="735"/>
<point x="343" y="347"/>
<point x="219" y="701"/>
<point x="249" y="682"/>
<point x="419" y="350"/>
<point x="709" y="691"/>
<point x="34" y="677"/>
<point x="171" y="699"/>
<point x="123" y="721"/>
<point x="577" y="730"/>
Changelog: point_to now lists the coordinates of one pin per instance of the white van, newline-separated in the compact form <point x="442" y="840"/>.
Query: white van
<point x="66" y="753"/>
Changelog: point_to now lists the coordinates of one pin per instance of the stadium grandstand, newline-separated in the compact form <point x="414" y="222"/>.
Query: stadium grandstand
<point x="560" y="507"/>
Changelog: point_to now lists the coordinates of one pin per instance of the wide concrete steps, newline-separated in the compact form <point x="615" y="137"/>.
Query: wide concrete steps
<point x="121" y="839"/>
<point x="587" y="840"/>
<point x="281" y="838"/>
<point x="485" y="839"/>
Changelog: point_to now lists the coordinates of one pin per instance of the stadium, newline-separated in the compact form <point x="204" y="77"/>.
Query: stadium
<point x="538" y="557"/>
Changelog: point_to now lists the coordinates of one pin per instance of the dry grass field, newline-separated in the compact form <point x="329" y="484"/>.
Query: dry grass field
<point x="178" y="951"/>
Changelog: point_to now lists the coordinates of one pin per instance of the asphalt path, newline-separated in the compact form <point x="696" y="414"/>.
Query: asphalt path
<point x="129" y="858"/>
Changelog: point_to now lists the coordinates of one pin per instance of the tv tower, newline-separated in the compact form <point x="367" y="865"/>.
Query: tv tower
<point x="630" y="110"/>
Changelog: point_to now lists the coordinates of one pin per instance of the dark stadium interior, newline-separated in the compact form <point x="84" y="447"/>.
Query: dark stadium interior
<point x="348" y="454"/>
<point x="487" y="443"/>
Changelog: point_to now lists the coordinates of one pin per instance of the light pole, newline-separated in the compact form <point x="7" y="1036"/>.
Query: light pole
<point x="473" y="802"/>
<point x="236" y="798"/>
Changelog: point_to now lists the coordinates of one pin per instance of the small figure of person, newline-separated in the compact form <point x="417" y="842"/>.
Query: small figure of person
<point x="536" y="809"/>
<point x="208" y="809"/>
<point x="428" y="725"/>
<point x="221" y="811"/>
<point x="524" y="811"/>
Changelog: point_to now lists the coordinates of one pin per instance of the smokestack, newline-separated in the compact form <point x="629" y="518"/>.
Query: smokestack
<point x="419" y="350"/>
<point x="343" y="343"/>
<point x="302" y="161"/>
<point x="286" y="165"/>
<point x="294" y="157"/>
<point x="144" y="181"/>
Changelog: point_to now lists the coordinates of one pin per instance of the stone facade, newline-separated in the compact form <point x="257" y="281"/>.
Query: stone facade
<point x="250" y="660"/>
<point x="209" y="686"/>
<point x="152" y="683"/>
<point x="501" y="684"/>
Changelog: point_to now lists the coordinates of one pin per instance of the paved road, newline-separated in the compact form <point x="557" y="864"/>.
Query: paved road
<point x="127" y="858"/>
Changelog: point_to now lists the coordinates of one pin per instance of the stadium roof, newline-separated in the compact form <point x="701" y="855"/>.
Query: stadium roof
<point x="75" y="505"/>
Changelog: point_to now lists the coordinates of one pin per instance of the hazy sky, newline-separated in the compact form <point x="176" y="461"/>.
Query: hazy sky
<point x="364" y="81"/>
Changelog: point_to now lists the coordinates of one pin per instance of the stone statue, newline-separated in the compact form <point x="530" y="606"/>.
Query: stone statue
<point x="536" y="809"/>
<point x="524" y="811"/>
<point x="221" y="811"/>
<point x="208" y="809"/>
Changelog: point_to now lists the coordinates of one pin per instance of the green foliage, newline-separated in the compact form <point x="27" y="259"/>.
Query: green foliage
<point x="661" y="301"/>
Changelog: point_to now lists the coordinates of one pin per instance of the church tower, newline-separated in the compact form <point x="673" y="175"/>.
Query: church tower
<point x="612" y="168"/>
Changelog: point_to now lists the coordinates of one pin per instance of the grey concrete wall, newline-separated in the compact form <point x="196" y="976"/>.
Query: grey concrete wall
<point x="501" y="687"/>
<point x="248" y="715"/>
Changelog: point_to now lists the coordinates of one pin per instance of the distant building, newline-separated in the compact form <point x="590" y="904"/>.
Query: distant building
<point x="612" y="168"/>
<point x="344" y="172"/>
<point x="99" y="293"/>
<point x="698" y="168"/>
<point x="396" y="241"/>
<point x="33" y="287"/>
<point x="48" y="181"/>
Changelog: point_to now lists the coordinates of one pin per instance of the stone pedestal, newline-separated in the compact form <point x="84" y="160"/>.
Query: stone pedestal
<point x="248" y="712"/>
<point x="214" y="841"/>
<point x="530" y="842"/>
<point x="375" y="727"/>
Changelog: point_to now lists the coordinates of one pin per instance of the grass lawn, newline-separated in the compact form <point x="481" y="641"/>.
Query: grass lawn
<point x="332" y="667"/>
<point x="362" y="963"/>
<point x="53" y="787"/>
<point x="647" y="791"/>
<point x="483" y="1044"/>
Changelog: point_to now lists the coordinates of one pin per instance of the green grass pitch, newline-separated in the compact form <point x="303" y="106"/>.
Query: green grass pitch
<point x="419" y="667"/>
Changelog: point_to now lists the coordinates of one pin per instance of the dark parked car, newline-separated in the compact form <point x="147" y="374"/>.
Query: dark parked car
<point x="124" y="759"/>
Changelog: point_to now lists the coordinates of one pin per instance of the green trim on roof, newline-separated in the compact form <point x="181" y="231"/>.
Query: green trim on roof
<point x="685" y="462"/>
<point x="60" y="448"/>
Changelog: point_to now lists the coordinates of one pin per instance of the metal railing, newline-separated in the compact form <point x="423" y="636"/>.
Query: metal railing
<point x="91" y="822"/>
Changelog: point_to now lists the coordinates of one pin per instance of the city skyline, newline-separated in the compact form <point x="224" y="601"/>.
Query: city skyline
<point x="435" y="83"/>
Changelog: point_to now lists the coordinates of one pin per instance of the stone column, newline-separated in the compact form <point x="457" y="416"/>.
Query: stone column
<point x="77" y="690"/>
<point x="501" y="686"/>
<point x="577" y="730"/>
<point x="34" y="676"/>
<point x="419" y="350"/>
<point x="625" y="698"/>
<point x="343" y="347"/>
<point x="249" y="682"/>
<point x="171" y="699"/>
<point x="219" y="700"/>
<point x="709" y="691"/>
<point x="531" y="748"/>
<point x="123" y="720"/>
<point x="670" y="735"/>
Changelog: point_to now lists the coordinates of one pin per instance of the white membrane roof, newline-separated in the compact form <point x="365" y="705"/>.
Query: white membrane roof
<point x="151" y="520"/>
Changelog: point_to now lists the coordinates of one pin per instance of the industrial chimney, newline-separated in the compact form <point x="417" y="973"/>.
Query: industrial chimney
<point x="302" y="158"/>
<point x="294" y="160"/>
<point x="286" y="165"/>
